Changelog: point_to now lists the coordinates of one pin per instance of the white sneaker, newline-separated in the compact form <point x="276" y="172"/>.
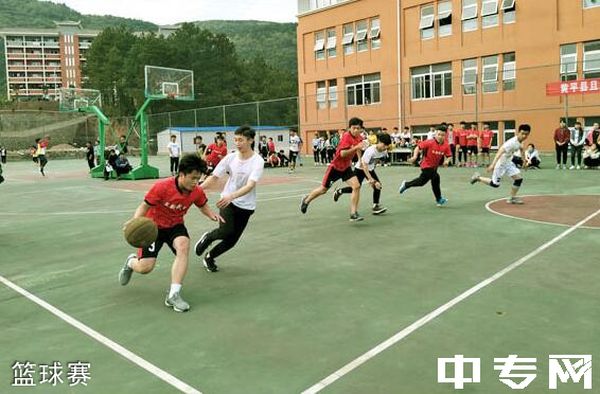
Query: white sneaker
<point x="579" y="167"/>
<point x="558" y="166"/>
<point x="564" y="166"/>
<point x="572" y="168"/>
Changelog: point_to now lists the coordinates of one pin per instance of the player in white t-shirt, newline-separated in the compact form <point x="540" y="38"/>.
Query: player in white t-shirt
<point x="174" y="153"/>
<point x="238" y="198"/>
<point x="365" y="168"/>
<point x="294" y="149"/>
<point x="503" y="164"/>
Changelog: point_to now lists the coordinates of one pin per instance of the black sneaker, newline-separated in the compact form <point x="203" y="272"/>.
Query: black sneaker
<point x="202" y="244"/>
<point x="336" y="194"/>
<point x="355" y="217"/>
<point x="1" y="179"/>
<point x="209" y="264"/>
<point x="378" y="209"/>
<point x="303" y="205"/>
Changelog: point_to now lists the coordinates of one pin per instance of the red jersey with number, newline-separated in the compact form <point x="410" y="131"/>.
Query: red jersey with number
<point x="169" y="204"/>
<point x="461" y="136"/>
<point x="215" y="151"/>
<point x="472" y="136"/>
<point x="433" y="153"/>
<point x="486" y="138"/>
<point x="348" y="141"/>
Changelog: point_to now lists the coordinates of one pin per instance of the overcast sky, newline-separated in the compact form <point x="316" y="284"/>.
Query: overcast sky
<point x="164" y="12"/>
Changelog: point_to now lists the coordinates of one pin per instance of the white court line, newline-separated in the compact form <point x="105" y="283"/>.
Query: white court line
<point x="432" y="315"/>
<point x="134" y="358"/>
<point x="488" y="207"/>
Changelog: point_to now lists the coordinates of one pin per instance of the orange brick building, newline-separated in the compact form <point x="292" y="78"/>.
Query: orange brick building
<point x="420" y="62"/>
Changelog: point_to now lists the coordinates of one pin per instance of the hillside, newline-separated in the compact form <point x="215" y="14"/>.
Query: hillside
<point x="274" y="42"/>
<point x="41" y="14"/>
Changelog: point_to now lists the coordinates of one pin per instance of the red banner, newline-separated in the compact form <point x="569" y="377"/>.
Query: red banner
<point x="580" y="86"/>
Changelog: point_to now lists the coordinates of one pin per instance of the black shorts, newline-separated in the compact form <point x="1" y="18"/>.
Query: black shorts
<point x="332" y="175"/>
<point x="42" y="159"/>
<point x="165" y="235"/>
<point x="485" y="150"/>
<point x="293" y="155"/>
<point x="472" y="149"/>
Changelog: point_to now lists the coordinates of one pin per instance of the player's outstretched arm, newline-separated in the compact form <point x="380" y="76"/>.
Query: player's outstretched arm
<point x="227" y="199"/>
<point x="209" y="213"/>
<point x="141" y="211"/>
<point x="210" y="181"/>
<point x="415" y="155"/>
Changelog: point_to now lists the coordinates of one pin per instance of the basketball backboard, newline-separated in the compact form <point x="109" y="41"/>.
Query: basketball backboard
<point x="73" y="99"/>
<point x="163" y="82"/>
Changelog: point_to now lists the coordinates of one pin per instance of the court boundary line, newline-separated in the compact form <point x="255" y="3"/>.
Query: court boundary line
<point x="489" y="209"/>
<point x="120" y="350"/>
<point x="357" y="362"/>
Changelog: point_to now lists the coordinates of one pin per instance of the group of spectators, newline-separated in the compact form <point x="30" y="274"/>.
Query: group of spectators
<point x="582" y="144"/>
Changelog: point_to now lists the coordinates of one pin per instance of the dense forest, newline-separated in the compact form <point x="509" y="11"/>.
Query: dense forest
<point x="274" y="42"/>
<point x="116" y="67"/>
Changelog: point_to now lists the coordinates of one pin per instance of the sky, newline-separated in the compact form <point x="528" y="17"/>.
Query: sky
<point x="165" y="12"/>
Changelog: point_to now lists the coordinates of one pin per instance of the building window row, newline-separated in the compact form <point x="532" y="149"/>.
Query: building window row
<point x="327" y="94"/>
<point x="490" y="10"/>
<point x="355" y="37"/>
<point x="433" y="81"/>
<point x="363" y="89"/>
<point x="490" y="76"/>
<point x="591" y="61"/>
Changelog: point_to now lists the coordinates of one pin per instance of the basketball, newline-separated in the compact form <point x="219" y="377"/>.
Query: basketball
<point x="140" y="232"/>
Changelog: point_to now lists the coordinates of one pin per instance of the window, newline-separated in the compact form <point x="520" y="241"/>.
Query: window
<point x="321" y="95"/>
<point x="568" y="62"/>
<point x="363" y="89"/>
<point x="375" y="33"/>
<point x="445" y="18"/>
<point x="469" y="15"/>
<point x="362" y="44"/>
<point x="489" y="13"/>
<point x="348" y="39"/>
<point x="333" y="99"/>
<point x="432" y="81"/>
<point x="319" y="45"/>
<point x="426" y="24"/>
<point x="331" y="43"/>
<point x="509" y="129"/>
<point x="490" y="74"/>
<point x="469" y="76"/>
<point x="591" y="59"/>
<point x="509" y="10"/>
<point x="591" y="3"/>
<point x="509" y="71"/>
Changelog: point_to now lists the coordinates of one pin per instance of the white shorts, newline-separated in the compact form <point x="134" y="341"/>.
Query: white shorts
<point x="506" y="168"/>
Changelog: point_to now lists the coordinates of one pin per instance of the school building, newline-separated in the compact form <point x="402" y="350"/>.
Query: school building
<point x="421" y="62"/>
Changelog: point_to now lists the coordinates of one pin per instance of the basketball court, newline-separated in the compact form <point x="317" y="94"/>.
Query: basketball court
<point x="304" y="302"/>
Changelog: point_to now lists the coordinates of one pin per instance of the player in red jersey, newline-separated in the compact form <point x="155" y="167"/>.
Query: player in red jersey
<point x="166" y="204"/>
<point x="461" y="143"/>
<point x="433" y="152"/>
<point x="486" y="143"/>
<point x="215" y="152"/>
<point x="350" y="145"/>
<point x="472" y="144"/>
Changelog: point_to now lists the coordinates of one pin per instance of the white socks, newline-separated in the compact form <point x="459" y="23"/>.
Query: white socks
<point x="175" y="288"/>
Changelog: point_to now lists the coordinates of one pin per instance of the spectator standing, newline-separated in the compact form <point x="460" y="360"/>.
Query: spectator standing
<point x="577" y="140"/>
<point x="174" y="153"/>
<point x="562" y="136"/>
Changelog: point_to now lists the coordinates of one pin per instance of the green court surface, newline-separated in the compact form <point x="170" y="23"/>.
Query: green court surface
<point x="300" y="296"/>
